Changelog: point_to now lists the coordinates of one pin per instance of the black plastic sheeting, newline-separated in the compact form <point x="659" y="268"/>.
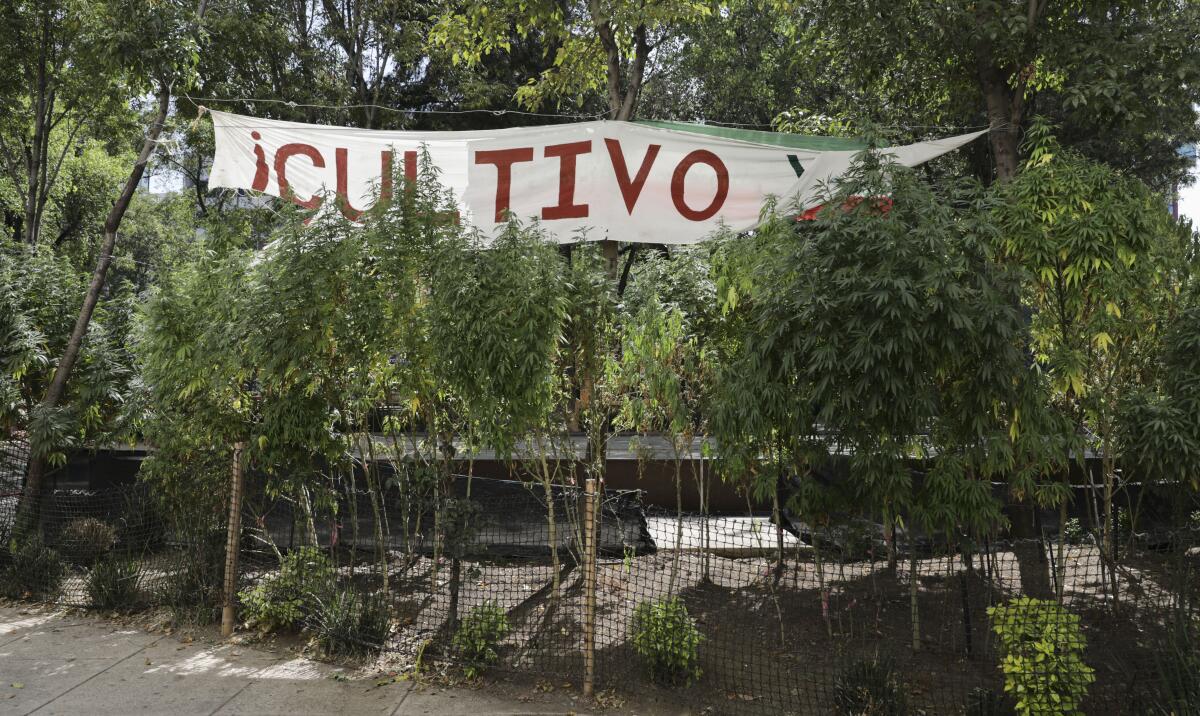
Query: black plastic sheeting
<point x="507" y="519"/>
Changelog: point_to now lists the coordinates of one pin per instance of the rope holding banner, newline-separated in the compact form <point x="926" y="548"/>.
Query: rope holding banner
<point x="200" y="112"/>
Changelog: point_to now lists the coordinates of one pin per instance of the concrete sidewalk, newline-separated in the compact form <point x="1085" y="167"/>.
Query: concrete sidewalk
<point x="61" y="663"/>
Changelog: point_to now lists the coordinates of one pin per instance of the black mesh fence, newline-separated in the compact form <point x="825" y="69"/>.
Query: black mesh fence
<point x="732" y="613"/>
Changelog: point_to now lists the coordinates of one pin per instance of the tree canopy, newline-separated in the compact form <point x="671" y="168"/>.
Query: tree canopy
<point x="989" y="318"/>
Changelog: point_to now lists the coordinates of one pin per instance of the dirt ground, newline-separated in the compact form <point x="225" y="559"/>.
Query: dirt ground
<point x="776" y="641"/>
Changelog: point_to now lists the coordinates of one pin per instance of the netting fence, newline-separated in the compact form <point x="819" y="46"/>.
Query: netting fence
<point x="734" y="613"/>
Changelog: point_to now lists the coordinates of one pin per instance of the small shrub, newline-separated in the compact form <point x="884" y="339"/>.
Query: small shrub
<point x="113" y="584"/>
<point x="1178" y="667"/>
<point x="667" y="639"/>
<point x="286" y="599"/>
<point x="140" y="528"/>
<point x="461" y="521"/>
<point x="349" y="623"/>
<point x="869" y="688"/>
<point x="1041" y="649"/>
<point x="33" y="570"/>
<point x="1073" y="531"/>
<point x="86" y="540"/>
<point x="193" y="592"/>
<point x="477" y="637"/>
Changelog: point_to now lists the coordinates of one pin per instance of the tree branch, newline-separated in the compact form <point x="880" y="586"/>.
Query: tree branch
<point x="641" y="51"/>
<point x="13" y="164"/>
<point x="608" y="41"/>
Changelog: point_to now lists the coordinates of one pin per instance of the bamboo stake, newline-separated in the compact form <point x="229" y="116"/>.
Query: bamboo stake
<point x="913" y="586"/>
<point x="233" y="544"/>
<point x="589" y="577"/>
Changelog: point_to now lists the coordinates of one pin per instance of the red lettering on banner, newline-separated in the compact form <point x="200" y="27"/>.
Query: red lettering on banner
<point x="260" y="165"/>
<point x="385" y="186"/>
<point x="698" y="157"/>
<point x="503" y="159"/>
<point x="385" y="176"/>
<point x="630" y="190"/>
<point x="879" y="206"/>
<point x="410" y="169"/>
<point x="286" y="152"/>
<point x="410" y="185"/>
<point x="566" y="208"/>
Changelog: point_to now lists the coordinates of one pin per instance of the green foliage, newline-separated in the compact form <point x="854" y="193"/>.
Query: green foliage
<point x="80" y="198"/>
<point x="667" y="639"/>
<point x="985" y="702"/>
<point x="1177" y="661"/>
<point x="1073" y="531"/>
<point x="351" y="623"/>
<point x="1160" y="423"/>
<point x="1101" y="255"/>
<point x="1041" y="649"/>
<point x="39" y="296"/>
<point x="113" y="584"/>
<point x="320" y="53"/>
<point x="496" y="321"/>
<point x="589" y="41"/>
<point x="661" y="369"/>
<point x="289" y="351"/>
<point x="285" y="599"/>
<point x="478" y="636"/>
<point x="141" y="526"/>
<point x="85" y="540"/>
<point x="1109" y="78"/>
<point x="591" y="336"/>
<point x="194" y="405"/>
<point x="890" y="329"/>
<point x="737" y="65"/>
<point x="31" y="570"/>
<point x="460" y="524"/>
<point x="1105" y="269"/>
<point x="869" y="688"/>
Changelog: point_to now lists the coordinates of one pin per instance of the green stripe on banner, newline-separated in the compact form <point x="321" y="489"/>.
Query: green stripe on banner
<point x="778" y="139"/>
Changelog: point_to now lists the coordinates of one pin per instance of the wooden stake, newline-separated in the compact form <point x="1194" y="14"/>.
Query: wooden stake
<point x="233" y="544"/>
<point x="589" y="579"/>
<point x="611" y="256"/>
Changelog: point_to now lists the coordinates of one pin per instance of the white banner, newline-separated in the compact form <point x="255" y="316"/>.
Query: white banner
<point x="602" y="180"/>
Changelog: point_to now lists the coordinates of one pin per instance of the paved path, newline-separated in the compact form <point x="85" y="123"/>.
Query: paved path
<point x="728" y="536"/>
<point x="55" y="663"/>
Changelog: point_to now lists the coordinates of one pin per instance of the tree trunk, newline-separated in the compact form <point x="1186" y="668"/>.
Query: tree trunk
<point x="1005" y="100"/>
<point x="678" y="522"/>
<point x="965" y="593"/>
<point x="1003" y="120"/>
<point x="622" y="102"/>
<point x="455" y="588"/>
<point x="777" y="509"/>
<point x="1110" y="537"/>
<point x="1030" y="554"/>
<point x="637" y="70"/>
<point x="1060" y="573"/>
<point x="913" y="589"/>
<point x="821" y="590"/>
<point x="702" y="487"/>
<point x="551" y="524"/>
<point x="33" y="153"/>
<point x="889" y="537"/>
<point x="377" y="497"/>
<point x="28" y="513"/>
